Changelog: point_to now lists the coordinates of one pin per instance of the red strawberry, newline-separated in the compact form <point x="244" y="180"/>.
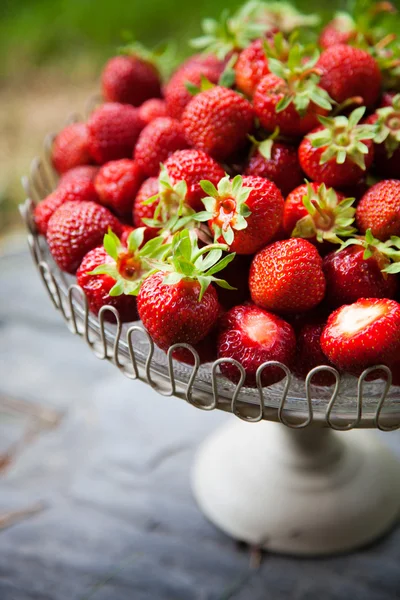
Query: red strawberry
<point x="318" y="214"/>
<point x="182" y="307"/>
<point x="251" y="67"/>
<point x="379" y="210"/>
<point x="287" y="277"/>
<point x="341" y="30"/>
<point x="75" y="228"/>
<point x="192" y="166"/>
<point x="387" y="139"/>
<point x="218" y="122"/>
<point x="141" y="210"/>
<point x="177" y="95"/>
<point x="349" y="276"/>
<point x="206" y="349"/>
<point x="117" y="184"/>
<point x="71" y="191"/>
<point x="349" y="72"/>
<point x="130" y="80"/>
<point x="253" y="336"/>
<point x="363" y="334"/>
<point x="157" y="141"/>
<point x="113" y="131"/>
<point x="278" y="162"/>
<point x="152" y="109"/>
<point x="309" y="352"/>
<point x="71" y="148"/>
<point x="97" y="287"/>
<point x="338" y="153"/>
<point x="245" y="213"/>
<point x="79" y="174"/>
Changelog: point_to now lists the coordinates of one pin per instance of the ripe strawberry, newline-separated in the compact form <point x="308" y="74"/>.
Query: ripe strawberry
<point x="152" y="109"/>
<point x="278" y="162"/>
<point x="182" y="306"/>
<point x="309" y="352"/>
<point x="79" y="174"/>
<point x="318" y="214"/>
<point x="287" y="277"/>
<point x="130" y="80"/>
<point x="341" y="30"/>
<point x="158" y="140"/>
<point x="141" y="210"/>
<point x="71" y="148"/>
<point x="352" y="273"/>
<point x="113" y="131"/>
<point x="379" y="210"/>
<point x="97" y="287"/>
<point x="245" y="213"/>
<point x="114" y="273"/>
<point x="206" y="349"/>
<point x="117" y="184"/>
<point x="253" y="336"/>
<point x="387" y="139"/>
<point x="290" y="97"/>
<point x="177" y="95"/>
<point x="218" y="122"/>
<point x="339" y="152"/>
<point x="71" y="191"/>
<point x="192" y="166"/>
<point x="349" y="72"/>
<point x="363" y="334"/>
<point x="251" y="67"/>
<point x="75" y="228"/>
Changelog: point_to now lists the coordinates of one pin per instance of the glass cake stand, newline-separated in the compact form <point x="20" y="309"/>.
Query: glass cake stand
<point x="298" y="471"/>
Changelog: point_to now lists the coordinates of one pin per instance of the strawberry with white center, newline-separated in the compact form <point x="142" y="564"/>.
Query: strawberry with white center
<point x="253" y="336"/>
<point x="179" y="304"/>
<point x="363" y="334"/>
<point x="318" y="213"/>
<point x="245" y="212"/>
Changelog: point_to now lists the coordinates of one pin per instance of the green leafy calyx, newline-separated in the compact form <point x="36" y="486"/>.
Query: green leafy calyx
<point x="387" y="253"/>
<point x="343" y="138"/>
<point x="388" y="126"/>
<point x="328" y="218"/>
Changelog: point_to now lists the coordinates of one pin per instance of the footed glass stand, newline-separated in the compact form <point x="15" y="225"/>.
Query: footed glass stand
<point x="297" y="471"/>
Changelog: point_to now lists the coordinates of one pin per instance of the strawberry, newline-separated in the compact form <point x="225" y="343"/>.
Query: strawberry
<point x="113" y="274"/>
<point x="75" y="228"/>
<point x="218" y="121"/>
<point x="152" y="109"/>
<point x="130" y="80"/>
<point x="113" y="131"/>
<point x="141" y="210"/>
<point x="339" y="152"/>
<point x="192" y="166"/>
<point x="276" y="161"/>
<point x="157" y="141"/>
<point x="358" y="271"/>
<point x="97" y="287"/>
<point x="117" y="184"/>
<point x="71" y="148"/>
<point x="349" y="72"/>
<point x="177" y="94"/>
<point x="290" y="97"/>
<point x="287" y="277"/>
<point x="253" y="336"/>
<point x="245" y="213"/>
<point x="309" y="352"/>
<point x="387" y="139"/>
<point x="363" y="334"/>
<point x="379" y="210"/>
<point x="206" y="349"/>
<point x="250" y="67"/>
<point x="341" y="30"/>
<point x="318" y="214"/>
<point x="79" y="174"/>
<point x="70" y="191"/>
<point x="182" y="306"/>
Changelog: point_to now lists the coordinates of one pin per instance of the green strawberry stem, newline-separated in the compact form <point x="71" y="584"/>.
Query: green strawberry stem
<point x="388" y="126"/>
<point x="389" y="250"/>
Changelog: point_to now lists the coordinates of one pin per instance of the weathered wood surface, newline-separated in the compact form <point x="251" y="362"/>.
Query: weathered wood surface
<point x="108" y="485"/>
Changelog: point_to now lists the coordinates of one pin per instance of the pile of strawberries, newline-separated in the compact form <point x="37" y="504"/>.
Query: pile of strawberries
<point x="250" y="204"/>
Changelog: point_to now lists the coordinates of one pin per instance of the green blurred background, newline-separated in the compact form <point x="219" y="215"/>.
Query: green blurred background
<point x="51" y="57"/>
